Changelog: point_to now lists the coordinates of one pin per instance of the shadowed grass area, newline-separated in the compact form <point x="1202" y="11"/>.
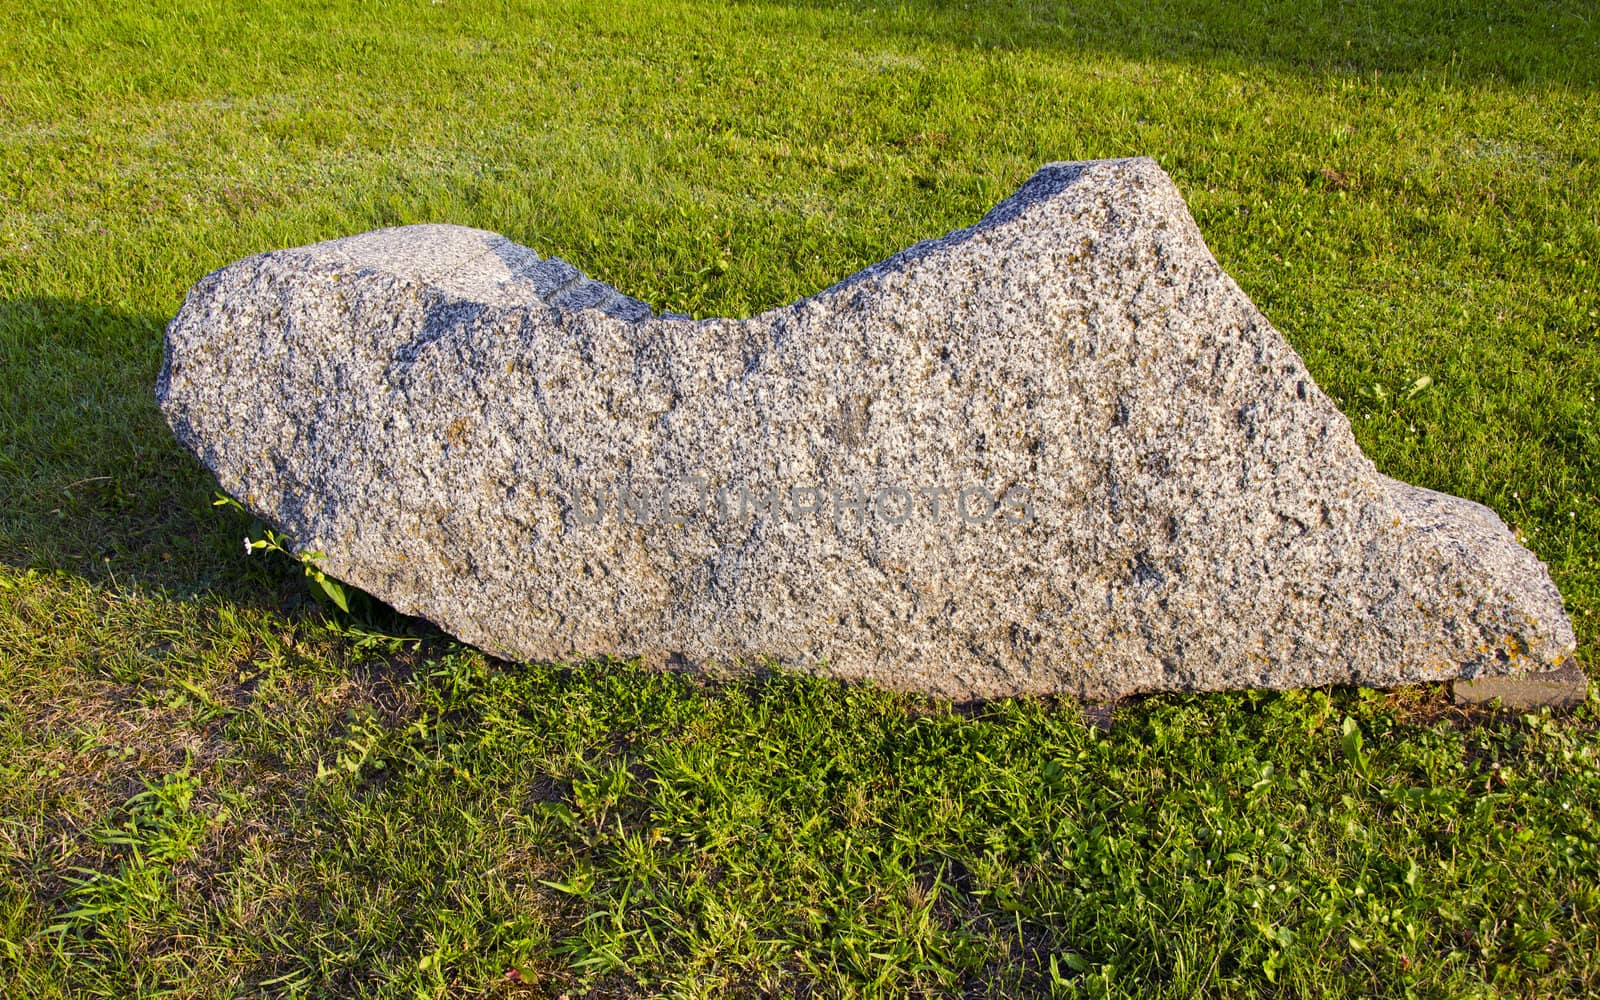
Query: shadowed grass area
<point x="210" y="787"/>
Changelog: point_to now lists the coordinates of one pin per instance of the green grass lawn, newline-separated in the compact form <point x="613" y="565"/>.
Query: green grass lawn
<point x="212" y="786"/>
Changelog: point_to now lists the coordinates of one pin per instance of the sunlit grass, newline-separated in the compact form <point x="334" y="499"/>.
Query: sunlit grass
<point x="209" y="788"/>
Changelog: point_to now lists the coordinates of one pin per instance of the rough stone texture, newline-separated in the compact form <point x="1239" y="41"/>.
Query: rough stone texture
<point x="437" y="408"/>
<point x="1567" y="686"/>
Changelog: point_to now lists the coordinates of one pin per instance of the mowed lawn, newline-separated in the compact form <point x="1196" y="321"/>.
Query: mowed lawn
<point x="212" y="785"/>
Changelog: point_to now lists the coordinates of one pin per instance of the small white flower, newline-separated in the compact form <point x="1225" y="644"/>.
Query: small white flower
<point x="247" y="545"/>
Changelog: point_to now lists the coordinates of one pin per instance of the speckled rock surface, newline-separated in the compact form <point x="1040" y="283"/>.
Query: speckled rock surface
<point x="1059" y="451"/>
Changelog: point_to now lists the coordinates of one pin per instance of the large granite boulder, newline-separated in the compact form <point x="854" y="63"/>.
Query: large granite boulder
<point x="1059" y="451"/>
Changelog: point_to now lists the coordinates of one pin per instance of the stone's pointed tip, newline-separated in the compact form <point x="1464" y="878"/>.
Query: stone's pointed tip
<point x="1066" y="172"/>
<point x="1140" y="192"/>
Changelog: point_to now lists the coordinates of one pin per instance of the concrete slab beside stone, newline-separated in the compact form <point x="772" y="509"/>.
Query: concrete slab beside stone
<point x="1057" y="451"/>
<point x="1567" y="686"/>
